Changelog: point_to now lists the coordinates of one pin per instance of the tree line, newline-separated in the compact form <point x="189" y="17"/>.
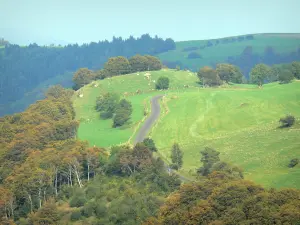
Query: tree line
<point x="259" y="74"/>
<point x="24" y="68"/>
<point x="116" y="66"/>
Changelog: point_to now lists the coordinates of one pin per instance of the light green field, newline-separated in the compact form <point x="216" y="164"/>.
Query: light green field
<point x="240" y="121"/>
<point x="281" y="43"/>
<point x="241" y="124"/>
<point x="99" y="132"/>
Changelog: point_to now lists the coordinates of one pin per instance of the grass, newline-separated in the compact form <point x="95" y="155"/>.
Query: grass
<point x="100" y="132"/>
<point x="219" y="53"/>
<point x="241" y="124"/>
<point x="240" y="121"/>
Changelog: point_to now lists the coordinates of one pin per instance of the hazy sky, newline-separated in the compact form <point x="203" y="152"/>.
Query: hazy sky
<point x="44" y="21"/>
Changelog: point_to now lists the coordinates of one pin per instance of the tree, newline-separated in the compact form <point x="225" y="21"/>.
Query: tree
<point x="82" y="77"/>
<point x="285" y="77"/>
<point x="138" y="63"/>
<point x="177" y="155"/>
<point x="153" y="63"/>
<point x="296" y="69"/>
<point x="287" y="121"/>
<point x="117" y="66"/>
<point x="121" y="117"/>
<point x="162" y="83"/>
<point x="107" y="104"/>
<point x="209" y="158"/>
<point x="150" y="144"/>
<point x="259" y="74"/>
<point x="209" y="76"/>
<point x="229" y="73"/>
<point x="101" y="74"/>
<point x="123" y="113"/>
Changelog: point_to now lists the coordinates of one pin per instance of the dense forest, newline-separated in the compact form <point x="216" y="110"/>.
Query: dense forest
<point x="23" y="68"/>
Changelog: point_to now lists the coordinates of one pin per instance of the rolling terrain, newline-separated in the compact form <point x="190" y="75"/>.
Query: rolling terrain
<point x="240" y="121"/>
<point x="220" y="50"/>
<point x="266" y="48"/>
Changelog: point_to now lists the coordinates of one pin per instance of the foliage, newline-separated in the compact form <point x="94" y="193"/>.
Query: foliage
<point x="48" y="214"/>
<point x="117" y="66"/>
<point x="138" y="63"/>
<point x="75" y="215"/>
<point x="149" y="143"/>
<point x="219" y="200"/>
<point x="107" y="104"/>
<point x="296" y="69"/>
<point x="153" y="63"/>
<point x="287" y="121"/>
<point x="229" y="73"/>
<point x="209" y="158"/>
<point x="176" y="155"/>
<point x="123" y="113"/>
<point x="162" y="83"/>
<point x="78" y="200"/>
<point x="259" y="74"/>
<point x="209" y="76"/>
<point x="293" y="162"/>
<point x="82" y="77"/>
<point x="285" y="77"/>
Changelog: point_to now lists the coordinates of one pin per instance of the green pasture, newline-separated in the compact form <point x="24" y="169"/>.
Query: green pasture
<point x="242" y="124"/>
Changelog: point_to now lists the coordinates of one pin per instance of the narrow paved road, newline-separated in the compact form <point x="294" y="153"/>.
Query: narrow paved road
<point x="155" y="111"/>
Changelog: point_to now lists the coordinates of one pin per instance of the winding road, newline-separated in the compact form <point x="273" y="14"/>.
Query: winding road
<point x="155" y="111"/>
<point x="142" y="133"/>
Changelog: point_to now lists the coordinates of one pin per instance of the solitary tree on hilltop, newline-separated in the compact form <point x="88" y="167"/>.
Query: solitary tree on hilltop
<point x="162" y="83"/>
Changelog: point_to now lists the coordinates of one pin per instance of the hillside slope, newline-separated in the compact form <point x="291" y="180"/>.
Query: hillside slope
<point x="226" y="49"/>
<point x="240" y="121"/>
<point x="242" y="124"/>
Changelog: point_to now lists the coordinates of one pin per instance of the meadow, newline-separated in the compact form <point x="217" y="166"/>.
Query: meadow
<point x="100" y="132"/>
<point x="240" y="123"/>
<point x="219" y="53"/>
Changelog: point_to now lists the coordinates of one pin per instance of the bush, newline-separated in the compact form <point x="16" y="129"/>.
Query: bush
<point x="174" y="166"/>
<point x="293" y="162"/>
<point x="100" y="210"/>
<point x="162" y="83"/>
<point x="76" y="215"/>
<point x="194" y="55"/>
<point x="150" y="144"/>
<point x="77" y="201"/>
<point x="285" y="77"/>
<point x="287" y="121"/>
<point x="88" y="209"/>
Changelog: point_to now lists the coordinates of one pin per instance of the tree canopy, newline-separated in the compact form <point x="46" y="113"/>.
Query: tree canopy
<point x="259" y="74"/>
<point x="209" y="76"/>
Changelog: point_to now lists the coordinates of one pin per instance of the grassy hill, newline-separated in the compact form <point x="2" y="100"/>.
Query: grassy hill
<point x="100" y="132"/>
<point x="240" y="121"/>
<point x="281" y="43"/>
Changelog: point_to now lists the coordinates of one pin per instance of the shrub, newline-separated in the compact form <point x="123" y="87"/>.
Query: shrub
<point x="76" y="215"/>
<point x="77" y="200"/>
<point x="293" y="162"/>
<point x="150" y="144"/>
<point x="162" y="83"/>
<point x="174" y="166"/>
<point x="100" y="210"/>
<point x="285" y="77"/>
<point x="287" y="121"/>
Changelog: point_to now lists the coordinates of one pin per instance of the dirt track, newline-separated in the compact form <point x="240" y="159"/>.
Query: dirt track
<point x="155" y="111"/>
